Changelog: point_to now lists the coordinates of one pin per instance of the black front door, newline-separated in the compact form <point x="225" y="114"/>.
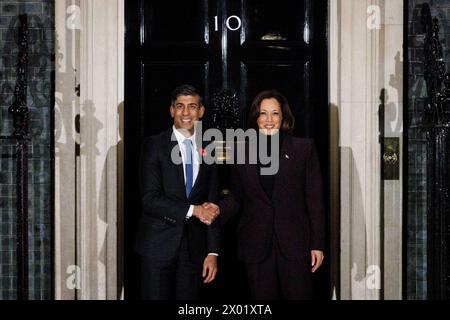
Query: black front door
<point x="228" y="48"/>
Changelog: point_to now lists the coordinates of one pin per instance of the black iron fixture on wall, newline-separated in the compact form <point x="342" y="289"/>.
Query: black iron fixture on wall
<point x="20" y="114"/>
<point x="436" y="125"/>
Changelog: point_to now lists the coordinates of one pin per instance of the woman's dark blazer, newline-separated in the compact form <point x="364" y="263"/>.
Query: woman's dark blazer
<point x="294" y="214"/>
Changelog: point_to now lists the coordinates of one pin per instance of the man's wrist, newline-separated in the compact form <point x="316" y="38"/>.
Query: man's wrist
<point x="196" y="211"/>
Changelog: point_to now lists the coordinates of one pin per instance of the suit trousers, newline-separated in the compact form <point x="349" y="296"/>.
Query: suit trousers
<point x="279" y="278"/>
<point x="178" y="278"/>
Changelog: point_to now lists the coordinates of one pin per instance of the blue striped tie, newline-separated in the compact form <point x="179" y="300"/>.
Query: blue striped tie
<point x="188" y="166"/>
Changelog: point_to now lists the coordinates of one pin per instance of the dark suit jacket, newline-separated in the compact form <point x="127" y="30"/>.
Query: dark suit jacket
<point x="165" y="205"/>
<point x="295" y="213"/>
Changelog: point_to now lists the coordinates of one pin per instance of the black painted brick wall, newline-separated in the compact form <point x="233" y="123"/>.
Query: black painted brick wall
<point x="41" y="64"/>
<point x="417" y="166"/>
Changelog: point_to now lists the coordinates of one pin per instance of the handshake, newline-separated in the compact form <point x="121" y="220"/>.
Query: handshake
<point x="207" y="212"/>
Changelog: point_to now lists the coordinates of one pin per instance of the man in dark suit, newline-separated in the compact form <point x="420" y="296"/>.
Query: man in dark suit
<point x="177" y="238"/>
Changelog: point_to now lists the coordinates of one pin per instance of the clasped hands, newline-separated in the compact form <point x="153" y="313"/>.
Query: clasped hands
<point x="207" y="212"/>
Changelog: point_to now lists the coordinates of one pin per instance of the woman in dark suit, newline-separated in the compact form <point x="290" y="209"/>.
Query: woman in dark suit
<point x="281" y="230"/>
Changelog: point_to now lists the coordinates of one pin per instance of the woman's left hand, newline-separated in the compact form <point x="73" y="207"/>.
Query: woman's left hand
<point x="316" y="259"/>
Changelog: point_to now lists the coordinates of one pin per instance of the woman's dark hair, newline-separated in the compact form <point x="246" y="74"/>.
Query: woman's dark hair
<point x="288" y="119"/>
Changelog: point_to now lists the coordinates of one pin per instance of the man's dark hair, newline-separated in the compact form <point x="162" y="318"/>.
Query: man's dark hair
<point x="185" y="90"/>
